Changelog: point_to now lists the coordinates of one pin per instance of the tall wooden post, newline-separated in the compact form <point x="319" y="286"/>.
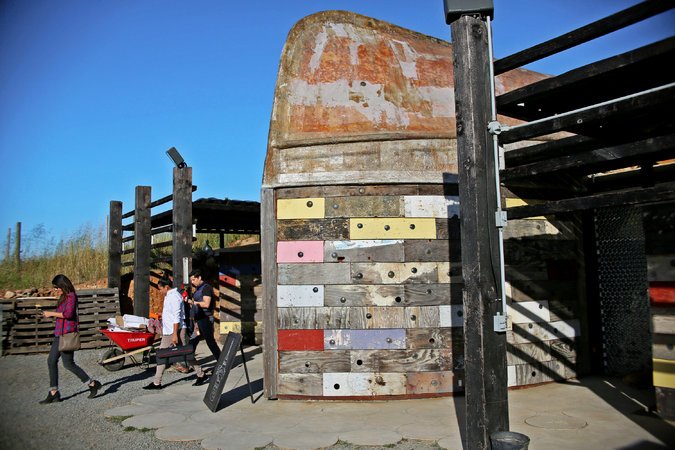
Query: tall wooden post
<point x="485" y="350"/>
<point x="9" y="240"/>
<point x="268" y="239"/>
<point x="17" y="246"/>
<point x="182" y="221"/>
<point x="115" y="245"/>
<point x="142" y="246"/>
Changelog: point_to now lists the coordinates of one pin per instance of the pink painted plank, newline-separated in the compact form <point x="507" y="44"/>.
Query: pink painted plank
<point x="299" y="251"/>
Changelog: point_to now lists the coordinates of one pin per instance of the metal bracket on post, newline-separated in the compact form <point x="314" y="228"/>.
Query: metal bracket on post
<point x="502" y="323"/>
<point x="495" y="128"/>
<point x="501" y="158"/>
<point x="500" y="218"/>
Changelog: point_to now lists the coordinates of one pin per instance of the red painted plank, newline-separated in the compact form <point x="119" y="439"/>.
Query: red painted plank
<point x="300" y="340"/>
<point x="662" y="292"/>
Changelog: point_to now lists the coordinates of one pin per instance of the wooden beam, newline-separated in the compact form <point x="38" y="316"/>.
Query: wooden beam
<point x="142" y="245"/>
<point x="485" y="350"/>
<point x="660" y="193"/>
<point x="550" y="149"/>
<point x="601" y="78"/>
<point x="182" y="222"/>
<point x="600" y="160"/>
<point x="586" y="33"/>
<point x="157" y="202"/>
<point x="594" y="114"/>
<point x="115" y="245"/>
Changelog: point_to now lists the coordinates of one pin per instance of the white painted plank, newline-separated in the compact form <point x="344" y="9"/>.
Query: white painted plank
<point x="527" y="312"/>
<point x="299" y="295"/>
<point x="452" y="315"/>
<point x="431" y="206"/>
<point x="363" y="384"/>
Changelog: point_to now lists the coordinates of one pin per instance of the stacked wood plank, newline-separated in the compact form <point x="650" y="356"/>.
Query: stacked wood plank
<point x="660" y="245"/>
<point x="543" y="263"/>
<point x="240" y="303"/>
<point x="26" y="333"/>
<point x="368" y="297"/>
<point x="241" y="306"/>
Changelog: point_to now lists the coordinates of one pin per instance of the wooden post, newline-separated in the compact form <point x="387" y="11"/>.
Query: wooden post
<point x="142" y="246"/>
<point x="17" y="246"/>
<point x="485" y="350"/>
<point x="182" y="221"/>
<point x="268" y="238"/>
<point x="115" y="245"/>
<point x="9" y="240"/>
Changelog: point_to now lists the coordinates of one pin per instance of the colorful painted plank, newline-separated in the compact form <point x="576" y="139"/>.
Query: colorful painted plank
<point x="368" y="250"/>
<point x="392" y="228"/>
<point x="431" y="206"/>
<point x="364" y="339"/>
<point x="299" y="251"/>
<point x="527" y="312"/>
<point x="301" y="208"/>
<point x="303" y="295"/>
<point x="363" y="384"/>
<point x="300" y="340"/>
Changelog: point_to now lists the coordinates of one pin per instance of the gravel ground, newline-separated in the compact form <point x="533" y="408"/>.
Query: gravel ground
<point x="78" y="422"/>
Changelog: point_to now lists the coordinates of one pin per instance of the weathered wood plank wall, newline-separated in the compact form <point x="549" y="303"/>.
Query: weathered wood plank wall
<point x="361" y="250"/>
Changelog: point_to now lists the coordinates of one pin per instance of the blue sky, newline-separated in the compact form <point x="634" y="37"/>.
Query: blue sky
<point x="93" y="92"/>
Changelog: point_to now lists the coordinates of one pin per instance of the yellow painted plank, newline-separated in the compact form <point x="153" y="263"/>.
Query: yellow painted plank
<point x="301" y="208"/>
<point x="392" y="228"/>
<point x="664" y="373"/>
<point x="514" y="202"/>
<point x="236" y="327"/>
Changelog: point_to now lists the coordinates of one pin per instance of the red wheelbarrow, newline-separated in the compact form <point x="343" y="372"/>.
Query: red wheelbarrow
<point x="128" y="344"/>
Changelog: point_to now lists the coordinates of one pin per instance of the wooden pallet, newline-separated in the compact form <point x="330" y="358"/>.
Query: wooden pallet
<point x="24" y="332"/>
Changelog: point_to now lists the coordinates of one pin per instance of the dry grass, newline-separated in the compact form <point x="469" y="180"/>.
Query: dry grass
<point x="82" y="257"/>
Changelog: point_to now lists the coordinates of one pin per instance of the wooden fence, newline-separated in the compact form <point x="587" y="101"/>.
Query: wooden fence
<point x="23" y="332"/>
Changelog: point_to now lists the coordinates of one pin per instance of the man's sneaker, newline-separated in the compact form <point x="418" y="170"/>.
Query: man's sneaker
<point x="93" y="388"/>
<point x="200" y="380"/>
<point x="152" y="386"/>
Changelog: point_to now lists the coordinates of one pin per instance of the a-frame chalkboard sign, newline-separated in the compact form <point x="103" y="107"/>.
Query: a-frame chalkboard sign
<point x="222" y="370"/>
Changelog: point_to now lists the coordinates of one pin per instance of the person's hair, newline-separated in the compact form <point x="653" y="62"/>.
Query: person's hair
<point x="61" y="281"/>
<point x="162" y="282"/>
<point x="196" y="273"/>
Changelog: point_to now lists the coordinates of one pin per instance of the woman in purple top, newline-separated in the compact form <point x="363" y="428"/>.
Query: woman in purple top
<point x="66" y="322"/>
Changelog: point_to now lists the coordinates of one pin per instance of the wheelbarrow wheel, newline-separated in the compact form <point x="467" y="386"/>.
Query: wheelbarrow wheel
<point x="116" y="365"/>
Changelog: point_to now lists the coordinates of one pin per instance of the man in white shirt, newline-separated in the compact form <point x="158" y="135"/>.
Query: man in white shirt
<point x="172" y="325"/>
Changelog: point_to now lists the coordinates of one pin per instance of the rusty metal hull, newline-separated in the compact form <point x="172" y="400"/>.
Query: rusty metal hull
<point x="363" y="100"/>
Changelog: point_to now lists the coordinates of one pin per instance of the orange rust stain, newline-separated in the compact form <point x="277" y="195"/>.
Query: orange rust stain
<point x="428" y="123"/>
<point x="334" y="63"/>
<point x="375" y="63"/>
<point x="322" y="119"/>
<point x="435" y="72"/>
